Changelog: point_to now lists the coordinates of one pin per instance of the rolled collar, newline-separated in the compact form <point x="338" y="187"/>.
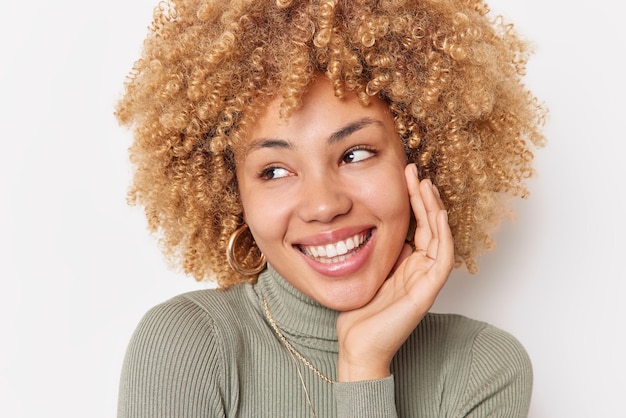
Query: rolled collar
<point x="301" y="319"/>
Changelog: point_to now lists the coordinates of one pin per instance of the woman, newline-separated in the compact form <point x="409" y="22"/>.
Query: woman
<point x="327" y="163"/>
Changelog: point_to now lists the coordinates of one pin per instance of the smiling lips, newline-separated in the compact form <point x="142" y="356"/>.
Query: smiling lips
<point x="338" y="251"/>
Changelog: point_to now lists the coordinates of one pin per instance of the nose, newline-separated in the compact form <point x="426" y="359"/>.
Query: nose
<point x="323" y="198"/>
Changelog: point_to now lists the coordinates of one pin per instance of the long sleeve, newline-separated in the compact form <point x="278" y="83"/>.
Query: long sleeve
<point x="500" y="379"/>
<point x="172" y="366"/>
<point x="374" y="398"/>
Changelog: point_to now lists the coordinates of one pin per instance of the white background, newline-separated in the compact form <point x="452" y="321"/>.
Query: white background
<point x="78" y="268"/>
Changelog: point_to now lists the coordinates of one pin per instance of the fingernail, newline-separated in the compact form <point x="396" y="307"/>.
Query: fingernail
<point x="414" y="169"/>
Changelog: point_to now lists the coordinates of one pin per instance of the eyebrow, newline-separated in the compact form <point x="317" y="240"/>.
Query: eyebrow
<point x="335" y="137"/>
<point x="351" y="128"/>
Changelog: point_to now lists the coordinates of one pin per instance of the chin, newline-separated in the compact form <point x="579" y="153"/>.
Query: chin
<point x="347" y="302"/>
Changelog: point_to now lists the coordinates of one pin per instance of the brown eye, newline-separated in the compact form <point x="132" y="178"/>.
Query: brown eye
<point x="356" y="155"/>
<point x="272" y="173"/>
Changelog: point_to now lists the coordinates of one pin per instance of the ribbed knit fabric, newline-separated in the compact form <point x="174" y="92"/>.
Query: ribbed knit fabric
<point x="212" y="353"/>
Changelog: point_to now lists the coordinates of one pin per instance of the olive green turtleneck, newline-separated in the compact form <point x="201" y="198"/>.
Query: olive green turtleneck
<point x="212" y="353"/>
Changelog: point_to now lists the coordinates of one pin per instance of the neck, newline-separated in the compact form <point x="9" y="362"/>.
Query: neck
<point x="301" y="319"/>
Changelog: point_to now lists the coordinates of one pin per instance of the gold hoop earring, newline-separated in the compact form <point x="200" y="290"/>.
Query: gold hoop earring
<point x="232" y="261"/>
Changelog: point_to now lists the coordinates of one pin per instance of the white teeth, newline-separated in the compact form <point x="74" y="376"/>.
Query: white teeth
<point x="333" y="260"/>
<point x="341" y="248"/>
<point x="332" y="253"/>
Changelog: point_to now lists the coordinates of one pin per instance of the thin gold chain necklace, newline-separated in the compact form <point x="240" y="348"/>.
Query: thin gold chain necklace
<point x="290" y="347"/>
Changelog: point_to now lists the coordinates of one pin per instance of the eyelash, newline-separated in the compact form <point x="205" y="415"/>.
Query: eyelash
<point x="359" y="148"/>
<point x="264" y="173"/>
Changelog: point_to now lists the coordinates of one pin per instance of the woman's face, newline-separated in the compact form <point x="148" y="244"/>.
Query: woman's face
<point x="324" y="195"/>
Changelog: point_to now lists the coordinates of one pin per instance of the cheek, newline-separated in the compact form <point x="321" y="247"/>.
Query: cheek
<point x="390" y="203"/>
<point x="266" y="216"/>
<point x="387" y="194"/>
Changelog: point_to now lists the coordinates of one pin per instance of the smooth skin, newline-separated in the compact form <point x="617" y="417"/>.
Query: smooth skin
<point x="327" y="195"/>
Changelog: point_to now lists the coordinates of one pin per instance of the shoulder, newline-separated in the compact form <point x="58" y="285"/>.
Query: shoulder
<point x="460" y="331"/>
<point x="190" y="325"/>
<point x="475" y="344"/>
<point x="491" y="368"/>
<point x="479" y="341"/>
<point x="494" y="348"/>
<point x="196" y="316"/>
<point x="169" y="332"/>
<point x="176" y="358"/>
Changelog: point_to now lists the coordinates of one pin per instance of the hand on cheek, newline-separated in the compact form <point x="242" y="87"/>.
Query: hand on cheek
<point x="370" y="336"/>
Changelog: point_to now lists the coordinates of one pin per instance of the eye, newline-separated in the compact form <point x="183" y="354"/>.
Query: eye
<point x="357" y="154"/>
<point x="271" y="173"/>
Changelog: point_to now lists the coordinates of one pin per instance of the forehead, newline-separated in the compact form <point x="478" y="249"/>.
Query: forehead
<point x="320" y="113"/>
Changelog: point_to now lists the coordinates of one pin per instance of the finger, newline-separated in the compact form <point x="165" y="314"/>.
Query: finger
<point x="439" y="269"/>
<point x="429" y="278"/>
<point x="438" y="197"/>
<point x="444" y="260"/>
<point x="432" y="203"/>
<point x="423" y="233"/>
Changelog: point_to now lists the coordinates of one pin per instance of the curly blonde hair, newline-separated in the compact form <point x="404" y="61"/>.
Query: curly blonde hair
<point x="451" y="75"/>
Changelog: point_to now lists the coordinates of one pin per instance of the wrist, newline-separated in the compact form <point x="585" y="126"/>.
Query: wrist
<point x="353" y="371"/>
